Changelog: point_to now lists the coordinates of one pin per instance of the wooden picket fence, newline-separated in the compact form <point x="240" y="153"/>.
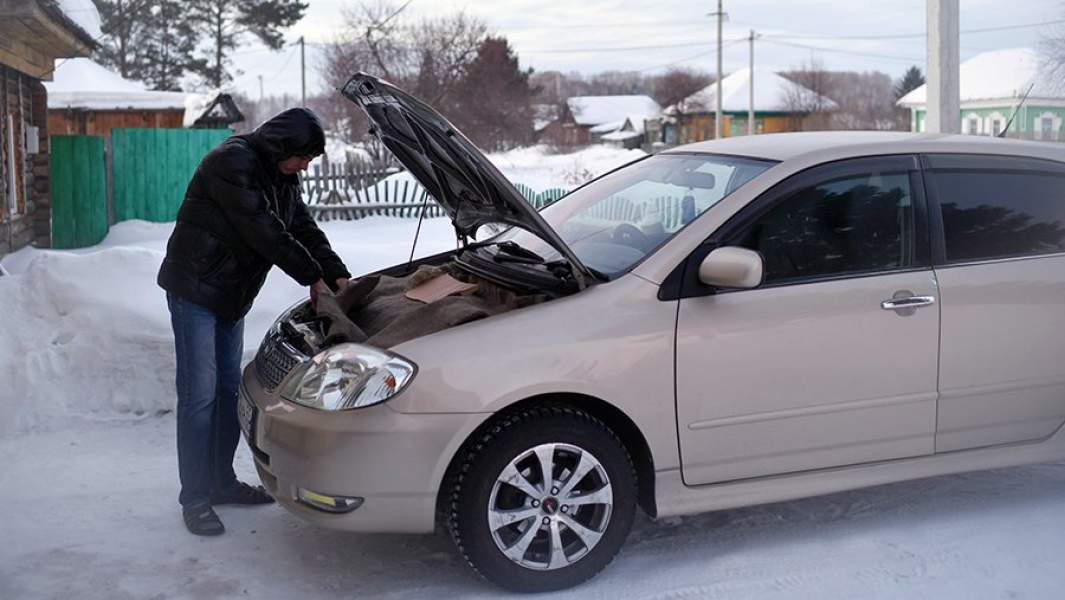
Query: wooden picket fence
<point x="349" y="192"/>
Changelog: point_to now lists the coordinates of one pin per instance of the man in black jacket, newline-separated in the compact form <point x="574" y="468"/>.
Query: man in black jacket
<point x="241" y="215"/>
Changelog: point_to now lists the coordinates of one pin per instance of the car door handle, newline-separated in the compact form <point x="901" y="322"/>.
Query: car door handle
<point x="907" y="302"/>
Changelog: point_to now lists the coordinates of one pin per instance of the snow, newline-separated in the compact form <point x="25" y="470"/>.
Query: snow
<point x="84" y="14"/>
<point x="84" y="83"/>
<point x="771" y="94"/>
<point x="596" y="110"/>
<point x="998" y="75"/>
<point x="87" y="333"/>
<point x="195" y="104"/>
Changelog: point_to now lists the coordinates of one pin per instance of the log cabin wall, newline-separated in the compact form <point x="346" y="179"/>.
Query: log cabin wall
<point x="24" y="205"/>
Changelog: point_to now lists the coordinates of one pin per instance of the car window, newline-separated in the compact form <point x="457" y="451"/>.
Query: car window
<point x="614" y="222"/>
<point x="1000" y="211"/>
<point x="853" y="224"/>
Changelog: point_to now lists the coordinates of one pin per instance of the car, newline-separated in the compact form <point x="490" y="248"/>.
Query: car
<point x="722" y="324"/>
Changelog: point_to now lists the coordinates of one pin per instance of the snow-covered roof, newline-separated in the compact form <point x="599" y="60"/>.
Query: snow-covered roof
<point x="82" y="13"/>
<point x="597" y="110"/>
<point x="618" y="136"/>
<point x="997" y="75"/>
<point x="608" y="127"/>
<point x="772" y="93"/>
<point x="543" y="115"/>
<point x="82" y="83"/>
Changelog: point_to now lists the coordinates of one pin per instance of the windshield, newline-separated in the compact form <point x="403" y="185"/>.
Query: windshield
<point x="615" y="221"/>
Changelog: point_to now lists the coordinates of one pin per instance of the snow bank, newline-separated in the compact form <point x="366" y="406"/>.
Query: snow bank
<point x="539" y="168"/>
<point x="87" y="333"/>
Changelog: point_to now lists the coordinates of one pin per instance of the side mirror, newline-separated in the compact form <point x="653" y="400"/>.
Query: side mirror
<point x="732" y="267"/>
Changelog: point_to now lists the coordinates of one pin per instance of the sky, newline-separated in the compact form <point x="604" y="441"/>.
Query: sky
<point x="651" y="36"/>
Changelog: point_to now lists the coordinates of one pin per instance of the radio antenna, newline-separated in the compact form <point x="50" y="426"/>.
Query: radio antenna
<point x="1002" y="133"/>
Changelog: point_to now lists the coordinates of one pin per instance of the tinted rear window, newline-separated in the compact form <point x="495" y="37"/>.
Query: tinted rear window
<point x="1000" y="207"/>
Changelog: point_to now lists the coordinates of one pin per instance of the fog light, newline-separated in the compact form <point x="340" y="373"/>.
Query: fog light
<point x="333" y="504"/>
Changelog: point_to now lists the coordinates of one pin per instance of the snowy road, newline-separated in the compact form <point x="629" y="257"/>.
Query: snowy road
<point x="92" y="513"/>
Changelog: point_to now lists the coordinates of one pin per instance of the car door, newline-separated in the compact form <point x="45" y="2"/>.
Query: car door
<point x="1000" y="261"/>
<point x="824" y="364"/>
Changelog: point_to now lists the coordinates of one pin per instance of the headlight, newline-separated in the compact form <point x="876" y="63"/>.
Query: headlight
<point x="348" y="376"/>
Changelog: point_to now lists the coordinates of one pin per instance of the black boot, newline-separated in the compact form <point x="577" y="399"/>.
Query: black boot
<point x="241" y="493"/>
<point x="201" y="519"/>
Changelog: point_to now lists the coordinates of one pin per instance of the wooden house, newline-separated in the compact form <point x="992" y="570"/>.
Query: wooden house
<point x="33" y="34"/>
<point x="779" y="105"/>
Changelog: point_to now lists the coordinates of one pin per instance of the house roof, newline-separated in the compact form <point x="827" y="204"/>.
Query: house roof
<point x="998" y="75"/>
<point x="597" y="110"/>
<point x="82" y="14"/>
<point x="83" y="83"/>
<point x="772" y="93"/>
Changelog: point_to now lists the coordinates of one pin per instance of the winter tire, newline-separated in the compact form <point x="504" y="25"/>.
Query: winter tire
<point x="528" y="532"/>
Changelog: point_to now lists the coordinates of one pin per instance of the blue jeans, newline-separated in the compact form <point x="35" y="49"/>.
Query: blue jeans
<point x="209" y="350"/>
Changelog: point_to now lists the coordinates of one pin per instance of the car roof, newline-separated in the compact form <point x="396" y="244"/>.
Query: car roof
<point x="832" y="145"/>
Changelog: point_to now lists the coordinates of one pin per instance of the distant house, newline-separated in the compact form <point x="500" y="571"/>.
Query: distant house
<point x="87" y="98"/>
<point x="992" y="85"/>
<point x="213" y="110"/>
<point x="779" y="105"/>
<point x="586" y="119"/>
<point x="33" y="34"/>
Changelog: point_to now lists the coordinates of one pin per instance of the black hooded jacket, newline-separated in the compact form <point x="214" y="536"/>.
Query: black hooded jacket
<point x="241" y="216"/>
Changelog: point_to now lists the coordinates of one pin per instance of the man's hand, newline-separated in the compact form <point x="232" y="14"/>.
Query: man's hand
<point x="318" y="287"/>
<point x="342" y="282"/>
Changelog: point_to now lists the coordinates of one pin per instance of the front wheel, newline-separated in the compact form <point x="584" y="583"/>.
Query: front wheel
<point x="543" y="499"/>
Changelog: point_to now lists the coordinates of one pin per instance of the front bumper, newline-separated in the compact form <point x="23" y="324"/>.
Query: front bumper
<point x="394" y="461"/>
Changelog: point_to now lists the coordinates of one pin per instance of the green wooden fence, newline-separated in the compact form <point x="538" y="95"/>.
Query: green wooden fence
<point x="79" y="191"/>
<point x="152" y="167"/>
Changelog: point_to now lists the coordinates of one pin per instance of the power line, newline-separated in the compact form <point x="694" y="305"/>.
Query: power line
<point x="692" y="57"/>
<point x="896" y="36"/>
<point x="838" y="51"/>
<point x="627" y="48"/>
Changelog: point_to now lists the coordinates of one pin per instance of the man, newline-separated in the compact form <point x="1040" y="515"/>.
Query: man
<point x="241" y="215"/>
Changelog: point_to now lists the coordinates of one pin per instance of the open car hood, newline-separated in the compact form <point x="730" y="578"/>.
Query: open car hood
<point x="465" y="183"/>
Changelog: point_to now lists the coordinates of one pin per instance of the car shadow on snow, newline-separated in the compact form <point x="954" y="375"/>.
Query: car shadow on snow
<point x="416" y="566"/>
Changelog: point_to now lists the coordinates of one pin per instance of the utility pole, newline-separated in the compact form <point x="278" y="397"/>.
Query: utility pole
<point x="750" y="91"/>
<point x="303" y="74"/>
<point x="260" y="88"/>
<point x="717" y="100"/>
<point x="944" y="72"/>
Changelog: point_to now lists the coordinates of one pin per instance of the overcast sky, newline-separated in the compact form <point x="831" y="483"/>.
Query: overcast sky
<point x="596" y="35"/>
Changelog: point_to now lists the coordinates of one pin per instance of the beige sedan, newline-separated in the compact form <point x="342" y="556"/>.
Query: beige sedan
<point x="723" y="324"/>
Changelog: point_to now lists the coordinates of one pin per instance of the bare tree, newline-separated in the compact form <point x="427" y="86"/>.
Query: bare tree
<point x="865" y="101"/>
<point x="429" y="57"/>
<point x="808" y="100"/>
<point x="1052" y="51"/>
<point x="677" y="84"/>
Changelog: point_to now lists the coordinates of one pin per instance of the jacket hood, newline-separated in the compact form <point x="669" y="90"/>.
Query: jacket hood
<point x="294" y="132"/>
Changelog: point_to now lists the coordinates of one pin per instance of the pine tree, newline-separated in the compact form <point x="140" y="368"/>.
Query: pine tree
<point x="125" y="24"/>
<point x="912" y="80"/>
<point x="494" y="98"/>
<point x="225" y="22"/>
<point x="170" y="47"/>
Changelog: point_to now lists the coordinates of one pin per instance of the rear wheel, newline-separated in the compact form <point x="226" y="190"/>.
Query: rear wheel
<point x="543" y="500"/>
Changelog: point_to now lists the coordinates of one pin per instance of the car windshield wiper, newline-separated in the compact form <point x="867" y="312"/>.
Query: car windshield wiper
<point x="511" y="252"/>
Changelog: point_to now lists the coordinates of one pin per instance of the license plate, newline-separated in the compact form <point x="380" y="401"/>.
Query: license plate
<point x="246" y="416"/>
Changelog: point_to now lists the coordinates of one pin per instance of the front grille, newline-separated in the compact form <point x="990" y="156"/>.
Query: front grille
<point x="273" y="361"/>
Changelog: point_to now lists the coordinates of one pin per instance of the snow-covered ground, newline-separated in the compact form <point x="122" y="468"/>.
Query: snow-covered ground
<point x="89" y="479"/>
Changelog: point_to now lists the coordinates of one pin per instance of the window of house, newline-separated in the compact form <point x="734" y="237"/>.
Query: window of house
<point x="974" y="126"/>
<point x="991" y="212"/>
<point x="996" y="127"/>
<point x="855" y="224"/>
<point x="1046" y="127"/>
